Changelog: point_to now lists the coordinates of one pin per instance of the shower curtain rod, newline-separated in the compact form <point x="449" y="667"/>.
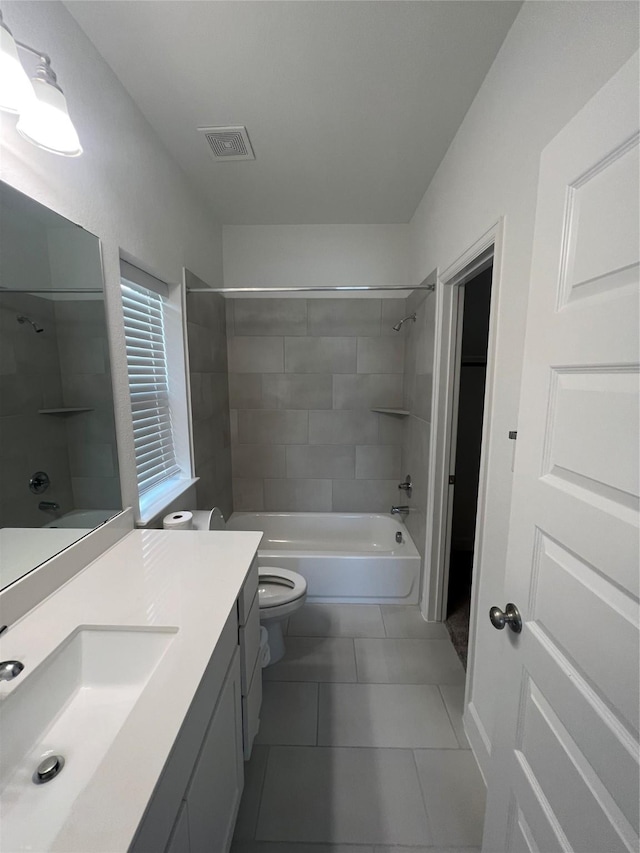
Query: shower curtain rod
<point x="312" y="289"/>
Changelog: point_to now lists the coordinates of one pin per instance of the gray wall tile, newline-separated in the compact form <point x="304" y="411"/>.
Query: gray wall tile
<point x="83" y="355"/>
<point x="393" y="310"/>
<point x="297" y="495"/>
<point x="252" y="461"/>
<point x="256" y="355"/>
<point x="245" y="391"/>
<point x="346" y="317"/>
<point x="330" y="360"/>
<point x="335" y="427"/>
<point x="366" y="390"/>
<point x="320" y="355"/>
<point x="297" y="391"/>
<point x="268" y="427"/>
<point x="384" y="355"/>
<point x="320" y="460"/>
<point x="208" y="367"/>
<point x="270" y="317"/>
<point x="365" y="495"/>
<point x="391" y="429"/>
<point x="248" y="495"/>
<point x="422" y="394"/>
<point x="379" y="462"/>
<point x="92" y="460"/>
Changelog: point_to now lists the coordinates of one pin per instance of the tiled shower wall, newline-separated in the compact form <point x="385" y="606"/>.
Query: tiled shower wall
<point x="85" y="369"/>
<point x="209" y="397"/>
<point x="65" y="365"/>
<point x="29" y="442"/>
<point x="304" y="375"/>
<point x="418" y="387"/>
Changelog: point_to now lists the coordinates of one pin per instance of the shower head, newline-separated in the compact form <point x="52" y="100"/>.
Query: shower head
<point x="22" y="319"/>
<point x="398" y="326"/>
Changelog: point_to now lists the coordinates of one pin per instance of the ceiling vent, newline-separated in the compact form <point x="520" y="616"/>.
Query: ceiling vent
<point x="229" y="143"/>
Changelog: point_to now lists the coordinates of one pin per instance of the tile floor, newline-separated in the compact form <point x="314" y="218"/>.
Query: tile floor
<point x="361" y="747"/>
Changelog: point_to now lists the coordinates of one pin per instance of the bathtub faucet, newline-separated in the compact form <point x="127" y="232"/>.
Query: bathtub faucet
<point x="49" y="506"/>
<point x="399" y="510"/>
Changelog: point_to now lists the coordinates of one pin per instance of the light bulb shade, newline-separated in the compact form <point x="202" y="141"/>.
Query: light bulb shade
<point x="45" y="121"/>
<point x="15" y="87"/>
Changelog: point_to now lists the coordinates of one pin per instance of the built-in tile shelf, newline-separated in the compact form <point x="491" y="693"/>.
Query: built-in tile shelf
<point x="401" y="412"/>
<point x="65" y="411"/>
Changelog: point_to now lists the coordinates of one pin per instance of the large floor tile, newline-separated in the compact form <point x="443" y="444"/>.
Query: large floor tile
<point x="289" y="713"/>
<point x="295" y="847"/>
<point x="337" y="620"/>
<point x="254" y="771"/>
<point x="314" y="659"/>
<point x="384" y="715"/>
<point x="385" y="849"/>
<point x="408" y="662"/>
<point x="342" y="796"/>
<point x="454" y="795"/>
<point x="407" y="622"/>
<point x="453" y="695"/>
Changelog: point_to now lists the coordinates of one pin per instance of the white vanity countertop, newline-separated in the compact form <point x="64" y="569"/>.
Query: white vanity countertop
<point x="180" y="579"/>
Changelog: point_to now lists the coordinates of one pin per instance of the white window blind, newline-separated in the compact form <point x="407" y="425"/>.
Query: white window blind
<point x="144" y="325"/>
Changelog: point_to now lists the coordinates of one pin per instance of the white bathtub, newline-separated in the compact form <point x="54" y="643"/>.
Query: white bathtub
<point x="83" y="518"/>
<point x="349" y="557"/>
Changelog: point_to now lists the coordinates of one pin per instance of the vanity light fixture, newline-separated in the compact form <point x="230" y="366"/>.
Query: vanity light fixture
<point x="41" y="105"/>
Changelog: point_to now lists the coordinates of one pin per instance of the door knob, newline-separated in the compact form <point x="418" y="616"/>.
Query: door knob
<point x="510" y="616"/>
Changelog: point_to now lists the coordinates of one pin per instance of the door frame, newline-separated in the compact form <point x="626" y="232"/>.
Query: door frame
<point x="448" y="333"/>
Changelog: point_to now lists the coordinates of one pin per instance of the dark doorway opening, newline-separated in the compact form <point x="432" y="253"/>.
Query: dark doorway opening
<point x="475" y="302"/>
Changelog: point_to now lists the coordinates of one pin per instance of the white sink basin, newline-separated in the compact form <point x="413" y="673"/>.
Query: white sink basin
<point x="73" y="705"/>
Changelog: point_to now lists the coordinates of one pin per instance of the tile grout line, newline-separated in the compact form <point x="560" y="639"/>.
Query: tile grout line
<point x="424" y="799"/>
<point x="317" y="743"/>
<point x="262" y="785"/>
<point x="446" y="708"/>
<point x="355" y="660"/>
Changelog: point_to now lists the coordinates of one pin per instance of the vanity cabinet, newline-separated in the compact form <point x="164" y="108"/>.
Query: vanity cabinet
<point x="213" y="796"/>
<point x="195" y="803"/>
<point x="179" y="841"/>
<point x="250" y="665"/>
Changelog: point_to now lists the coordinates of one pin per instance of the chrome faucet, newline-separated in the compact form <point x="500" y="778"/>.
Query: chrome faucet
<point x="400" y="510"/>
<point x="49" y="506"/>
<point x="10" y="669"/>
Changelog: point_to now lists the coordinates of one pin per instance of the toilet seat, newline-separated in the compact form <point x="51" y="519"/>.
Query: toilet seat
<point x="278" y="587"/>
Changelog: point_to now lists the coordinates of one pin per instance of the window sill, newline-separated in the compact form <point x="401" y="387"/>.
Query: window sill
<point x="162" y="498"/>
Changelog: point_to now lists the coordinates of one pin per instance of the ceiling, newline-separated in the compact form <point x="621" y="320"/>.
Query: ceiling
<point x="350" y="105"/>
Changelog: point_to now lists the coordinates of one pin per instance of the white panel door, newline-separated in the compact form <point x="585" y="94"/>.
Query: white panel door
<point x="565" y="770"/>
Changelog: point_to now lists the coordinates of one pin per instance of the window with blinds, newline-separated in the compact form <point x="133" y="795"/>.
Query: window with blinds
<point x="144" y="324"/>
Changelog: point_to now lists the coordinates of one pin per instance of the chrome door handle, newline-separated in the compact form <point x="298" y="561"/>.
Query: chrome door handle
<point x="510" y="616"/>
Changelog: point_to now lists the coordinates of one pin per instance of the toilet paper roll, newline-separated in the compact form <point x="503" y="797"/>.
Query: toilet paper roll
<point x="182" y="520"/>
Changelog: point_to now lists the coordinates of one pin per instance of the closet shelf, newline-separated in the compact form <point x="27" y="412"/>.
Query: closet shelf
<point x="401" y="412"/>
<point x="66" y="411"/>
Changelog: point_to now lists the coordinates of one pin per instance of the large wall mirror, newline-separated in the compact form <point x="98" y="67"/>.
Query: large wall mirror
<point x="58" y="460"/>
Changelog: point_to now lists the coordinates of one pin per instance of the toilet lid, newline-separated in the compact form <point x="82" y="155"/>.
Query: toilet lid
<point x="279" y="586"/>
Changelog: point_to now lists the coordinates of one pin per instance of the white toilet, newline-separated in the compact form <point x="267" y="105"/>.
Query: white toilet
<point x="281" y="592"/>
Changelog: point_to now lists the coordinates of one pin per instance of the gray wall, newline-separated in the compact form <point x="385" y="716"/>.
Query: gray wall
<point x="418" y="387"/>
<point x="303" y="377"/>
<point x="207" y="342"/>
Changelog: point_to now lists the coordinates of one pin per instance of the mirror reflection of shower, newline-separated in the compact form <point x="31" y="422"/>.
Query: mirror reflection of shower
<point x="22" y="319"/>
<point x="398" y="326"/>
